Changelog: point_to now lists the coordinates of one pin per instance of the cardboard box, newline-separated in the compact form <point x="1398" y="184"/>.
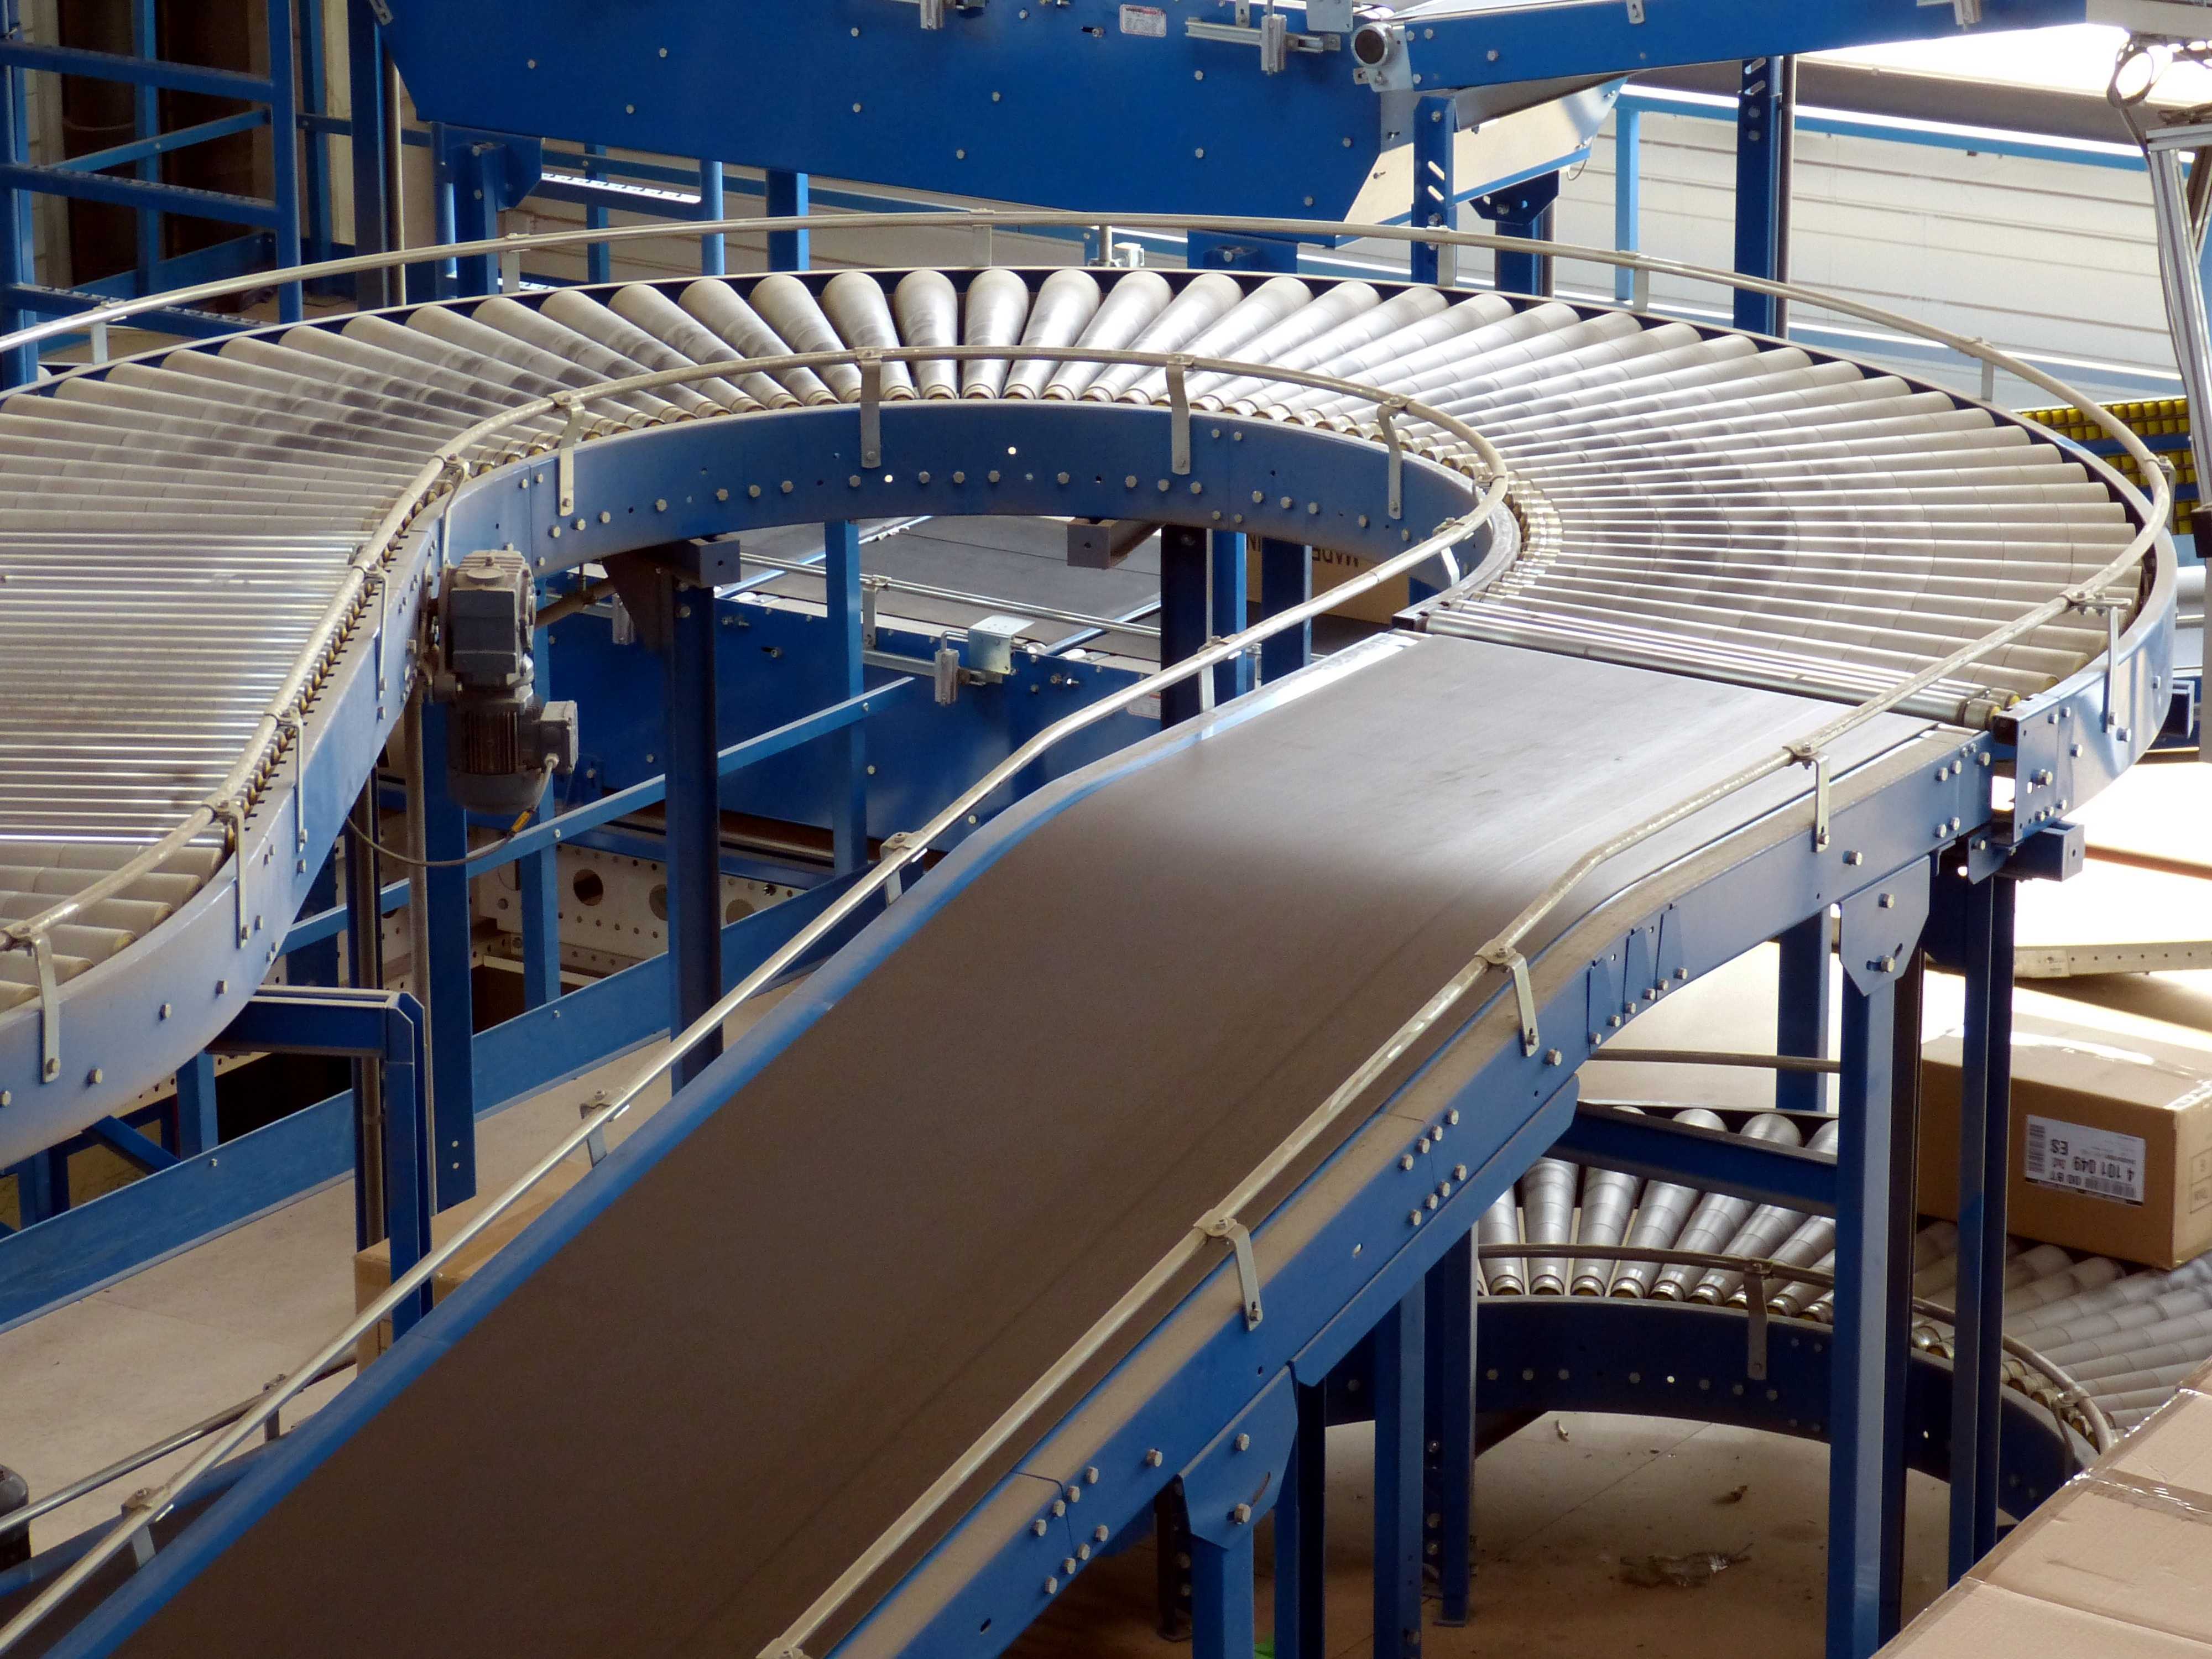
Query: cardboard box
<point x="2111" y="1141"/>
<point x="2118" y="1564"/>
<point x="371" y="1268"/>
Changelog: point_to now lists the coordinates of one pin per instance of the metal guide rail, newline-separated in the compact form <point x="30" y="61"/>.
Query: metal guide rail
<point x="1889" y="554"/>
<point x="1710" y="501"/>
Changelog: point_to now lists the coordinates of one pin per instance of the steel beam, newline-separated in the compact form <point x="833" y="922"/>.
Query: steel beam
<point x="1286" y="579"/>
<point x="1436" y="125"/>
<point x="1804" y="1001"/>
<point x="1525" y="211"/>
<point x="788" y="250"/>
<point x="451" y="968"/>
<point x="1229" y="605"/>
<point x="693" y="901"/>
<point x="1985" y="942"/>
<point x="840" y="589"/>
<point x="1767" y="109"/>
<point x="1448" y="1402"/>
<point x="1399" y="1354"/>
<point x="1183" y="614"/>
<point x="369" y="139"/>
<point x="1301" y="1574"/>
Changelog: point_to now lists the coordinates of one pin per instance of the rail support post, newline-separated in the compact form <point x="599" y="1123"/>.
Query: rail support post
<point x="849" y="808"/>
<point x="1880" y="940"/>
<point x="452" y="998"/>
<point x="695" y="818"/>
<point x="1230" y="589"/>
<point x="1766" y="113"/>
<point x="787" y="193"/>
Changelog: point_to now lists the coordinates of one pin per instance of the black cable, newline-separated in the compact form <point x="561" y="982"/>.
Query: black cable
<point x="381" y="850"/>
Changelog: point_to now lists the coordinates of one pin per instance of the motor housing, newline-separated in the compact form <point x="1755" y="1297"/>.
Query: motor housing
<point x="505" y="740"/>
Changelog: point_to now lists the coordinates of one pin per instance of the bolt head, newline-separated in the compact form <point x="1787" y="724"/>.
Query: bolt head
<point x="1244" y="1442"/>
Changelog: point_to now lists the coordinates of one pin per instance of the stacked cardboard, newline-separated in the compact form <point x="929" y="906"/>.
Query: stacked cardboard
<point x="2117" y="1564"/>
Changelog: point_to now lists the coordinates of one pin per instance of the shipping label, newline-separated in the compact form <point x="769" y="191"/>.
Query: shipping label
<point x="1144" y="19"/>
<point x="2079" y="1159"/>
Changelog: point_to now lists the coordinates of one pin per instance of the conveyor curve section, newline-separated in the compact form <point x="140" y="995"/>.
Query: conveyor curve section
<point x="773" y="1317"/>
<point x="1701" y="501"/>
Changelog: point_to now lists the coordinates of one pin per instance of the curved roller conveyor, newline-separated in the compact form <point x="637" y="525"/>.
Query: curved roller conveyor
<point x="787" y="1418"/>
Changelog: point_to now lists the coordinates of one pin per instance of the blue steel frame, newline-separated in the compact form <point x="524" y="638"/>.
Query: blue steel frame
<point x="273" y="224"/>
<point x="1774" y="888"/>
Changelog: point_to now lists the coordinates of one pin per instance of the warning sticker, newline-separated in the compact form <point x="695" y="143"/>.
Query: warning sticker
<point x="1144" y="19"/>
<point x="2080" y="1159"/>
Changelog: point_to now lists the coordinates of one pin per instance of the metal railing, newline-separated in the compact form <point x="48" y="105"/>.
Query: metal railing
<point x="1502" y="953"/>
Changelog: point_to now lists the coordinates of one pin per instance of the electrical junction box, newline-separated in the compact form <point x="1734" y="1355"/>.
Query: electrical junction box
<point x="2110" y="1150"/>
<point x="991" y="644"/>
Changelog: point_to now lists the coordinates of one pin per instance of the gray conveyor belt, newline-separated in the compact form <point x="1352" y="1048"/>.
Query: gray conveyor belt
<point x="678" y="1408"/>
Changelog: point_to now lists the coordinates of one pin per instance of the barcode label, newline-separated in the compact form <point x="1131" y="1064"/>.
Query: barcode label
<point x="2080" y="1159"/>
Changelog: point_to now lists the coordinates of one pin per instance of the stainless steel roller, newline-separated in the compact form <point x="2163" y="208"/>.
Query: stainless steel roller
<point x="172" y="524"/>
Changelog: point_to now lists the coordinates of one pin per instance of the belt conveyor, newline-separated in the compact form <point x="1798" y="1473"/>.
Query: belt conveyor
<point x="1703" y="501"/>
<point x="747" y="1346"/>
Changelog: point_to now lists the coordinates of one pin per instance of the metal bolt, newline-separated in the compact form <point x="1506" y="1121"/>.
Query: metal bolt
<point x="1854" y="858"/>
<point x="608" y="518"/>
<point x="1068" y="1566"/>
<point x="1886" y="901"/>
<point x="1090" y="1475"/>
<point x="1059" y="1506"/>
<point x="1430" y="1202"/>
<point x="1063" y="478"/>
<point x="960" y="478"/>
<point x="1443" y="1189"/>
<point x="1038" y="1527"/>
<point x="1244" y="1442"/>
<point x="1554" y="1057"/>
<point x="1452" y="1116"/>
<point x="1241" y="1514"/>
<point x="1889" y="965"/>
<point x="1052" y="1587"/>
<point x="1074" y="1494"/>
<point x="165" y="1010"/>
<point x="719" y="495"/>
<point x="1459" y="1172"/>
<point x="95" y="1075"/>
<point x="993" y="475"/>
<point x="753" y="490"/>
<point x="1152" y="1458"/>
<point x="1100" y="1534"/>
<point x="1422" y="1145"/>
<point x="1405" y="1160"/>
<point x="1414" y="1217"/>
<point x="854" y="481"/>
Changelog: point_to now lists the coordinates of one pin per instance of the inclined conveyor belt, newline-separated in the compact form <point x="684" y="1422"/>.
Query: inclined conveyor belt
<point x="742" y="1348"/>
<point x="171" y="526"/>
<point x="671" y="1416"/>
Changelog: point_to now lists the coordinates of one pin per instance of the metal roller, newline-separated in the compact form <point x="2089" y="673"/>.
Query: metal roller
<point x="1501" y="1225"/>
<point x="1762" y="1230"/>
<point x="788" y="306"/>
<point x="683" y="336"/>
<point x="927" y="309"/>
<point x="1608" y="1199"/>
<point x="996" y="313"/>
<point x="717" y="307"/>
<point x="1128" y="309"/>
<point x="1666" y="1205"/>
<point x="1547" y="1208"/>
<point x="1718" y="1215"/>
<point x="1193" y="317"/>
<point x="855" y="304"/>
<point x="1066" y="303"/>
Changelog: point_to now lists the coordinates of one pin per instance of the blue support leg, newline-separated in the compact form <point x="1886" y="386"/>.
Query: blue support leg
<point x="1229" y="586"/>
<point x="406" y="1177"/>
<point x="314" y="101"/>
<point x="599" y="258"/>
<point x="1436" y="125"/>
<point x="370" y="133"/>
<point x="318" y="963"/>
<point x="1222" y="1611"/>
<point x="1879" y="939"/>
<point x="1447" y="1400"/>
<point x="695" y="822"/>
<point x="1525" y="210"/>
<point x="19" y="365"/>
<point x="1183" y="556"/>
<point x="1400" y="1346"/>
<point x="787" y="250"/>
<point x="714" y="253"/>
<point x="1286" y="579"/>
<point x="1300" y="1519"/>
<point x="1803" y="1004"/>
<point x="1627" y="195"/>
<point x="197" y="1130"/>
<point x="1985" y="1125"/>
<point x="1766" y="109"/>
<point x="841" y="586"/>
<point x="453" y="999"/>
<point x="145" y="123"/>
<point x="284" y="135"/>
